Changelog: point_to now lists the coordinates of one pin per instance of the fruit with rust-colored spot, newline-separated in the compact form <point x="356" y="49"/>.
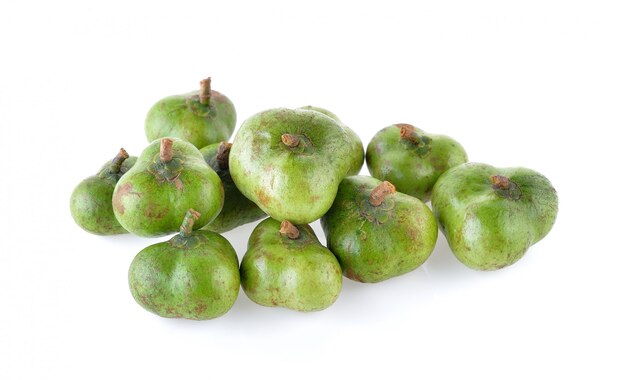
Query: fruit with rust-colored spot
<point x="358" y="155"/>
<point x="90" y="203"/>
<point x="169" y="178"/>
<point x="378" y="233"/>
<point x="201" y="117"/>
<point x="194" y="275"/>
<point x="411" y="159"/>
<point x="287" y="266"/>
<point x="290" y="162"/>
<point x="237" y="210"/>
<point x="491" y="216"/>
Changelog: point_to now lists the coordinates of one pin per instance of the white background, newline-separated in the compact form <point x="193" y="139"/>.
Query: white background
<point x="540" y="84"/>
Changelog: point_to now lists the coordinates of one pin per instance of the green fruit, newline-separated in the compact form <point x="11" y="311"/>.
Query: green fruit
<point x="411" y="159"/>
<point x="201" y="117"/>
<point x="358" y="155"/>
<point x="194" y="275"/>
<point x="290" y="162"/>
<point x="168" y="179"/>
<point x="491" y="216"/>
<point x="90" y="203"/>
<point x="287" y="266"/>
<point x="377" y="233"/>
<point x="237" y="210"/>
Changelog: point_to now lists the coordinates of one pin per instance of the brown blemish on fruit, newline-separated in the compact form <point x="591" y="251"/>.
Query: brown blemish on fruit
<point x="264" y="199"/>
<point x="154" y="212"/>
<point x="125" y="189"/>
<point x="353" y="276"/>
<point x="178" y="183"/>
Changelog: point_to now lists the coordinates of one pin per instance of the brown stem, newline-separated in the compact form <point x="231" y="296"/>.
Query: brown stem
<point x="187" y="227"/>
<point x="223" y="151"/>
<point x="166" y="154"/>
<point x="116" y="163"/>
<point x="205" y="91"/>
<point x="377" y="196"/>
<point x="289" y="230"/>
<point x="290" y="140"/>
<point x="407" y="133"/>
<point x="500" y="182"/>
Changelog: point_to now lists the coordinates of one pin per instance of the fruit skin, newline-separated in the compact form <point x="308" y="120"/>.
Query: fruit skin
<point x="194" y="276"/>
<point x="238" y="210"/>
<point x="152" y="198"/>
<point x="298" y="274"/>
<point x="413" y="167"/>
<point x="487" y="227"/>
<point x="90" y="202"/>
<point x="295" y="183"/>
<point x="185" y="117"/>
<point x="375" y="243"/>
<point x="357" y="157"/>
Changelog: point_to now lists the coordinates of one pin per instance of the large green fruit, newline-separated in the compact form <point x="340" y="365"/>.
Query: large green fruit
<point x="90" y="203"/>
<point x="286" y="266"/>
<point x="358" y="155"/>
<point x="290" y="162"/>
<point x="169" y="178"/>
<point x="194" y="275"/>
<point x="411" y="159"/>
<point x="237" y="210"/>
<point x="377" y="233"/>
<point x="201" y="117"/>
<point x="491" y="216"/>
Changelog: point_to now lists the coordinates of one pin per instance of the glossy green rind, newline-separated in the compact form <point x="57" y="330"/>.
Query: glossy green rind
<point x="183" y="116"/>
<point x="147" y="204"/>
<point x="298" y="274"/>
<point x="296" y="184"/>
<point x="414" y="171"/>
<point x="196" y="277"/>
<point x="488" y="228"/>
<point x="238" y="210"/>
<point x="357" y="157"/>
<point x="375" y="243"/>
<point x="90" y="202"/>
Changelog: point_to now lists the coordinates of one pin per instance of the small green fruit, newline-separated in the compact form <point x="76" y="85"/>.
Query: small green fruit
<point x="287" y="266"/>
<point x="377" y="233"/>
<point x="411" y="159"/>
<point x="201" y="117"/>
<point x="168" y="179"/>
<point x="290" y="162"/>
<point x="358" y="155"/>
<point x="90" y="203"/>
<point x="491" y="216"/>
<point x="194" y="275"/>
<point x="237" y="210"/>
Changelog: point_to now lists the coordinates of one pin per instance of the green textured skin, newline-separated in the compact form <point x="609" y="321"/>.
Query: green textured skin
<point x="298" y="274"/>
<point x="193" y="277"/>
<point x="90" y="203"/>
<point x="375" y="243"/>
<point x="146" y="204"/>
<point x="238" y="210"/>
<point x="296" y="184"/>
<point x="485" y="228"/>
<point x="392" y="158"/>
<point x="183" y="116"/>
<point x="357" y="157"/>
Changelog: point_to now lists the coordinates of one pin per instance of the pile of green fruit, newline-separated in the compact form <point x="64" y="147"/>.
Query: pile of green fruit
<point x="295" y="166"/>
